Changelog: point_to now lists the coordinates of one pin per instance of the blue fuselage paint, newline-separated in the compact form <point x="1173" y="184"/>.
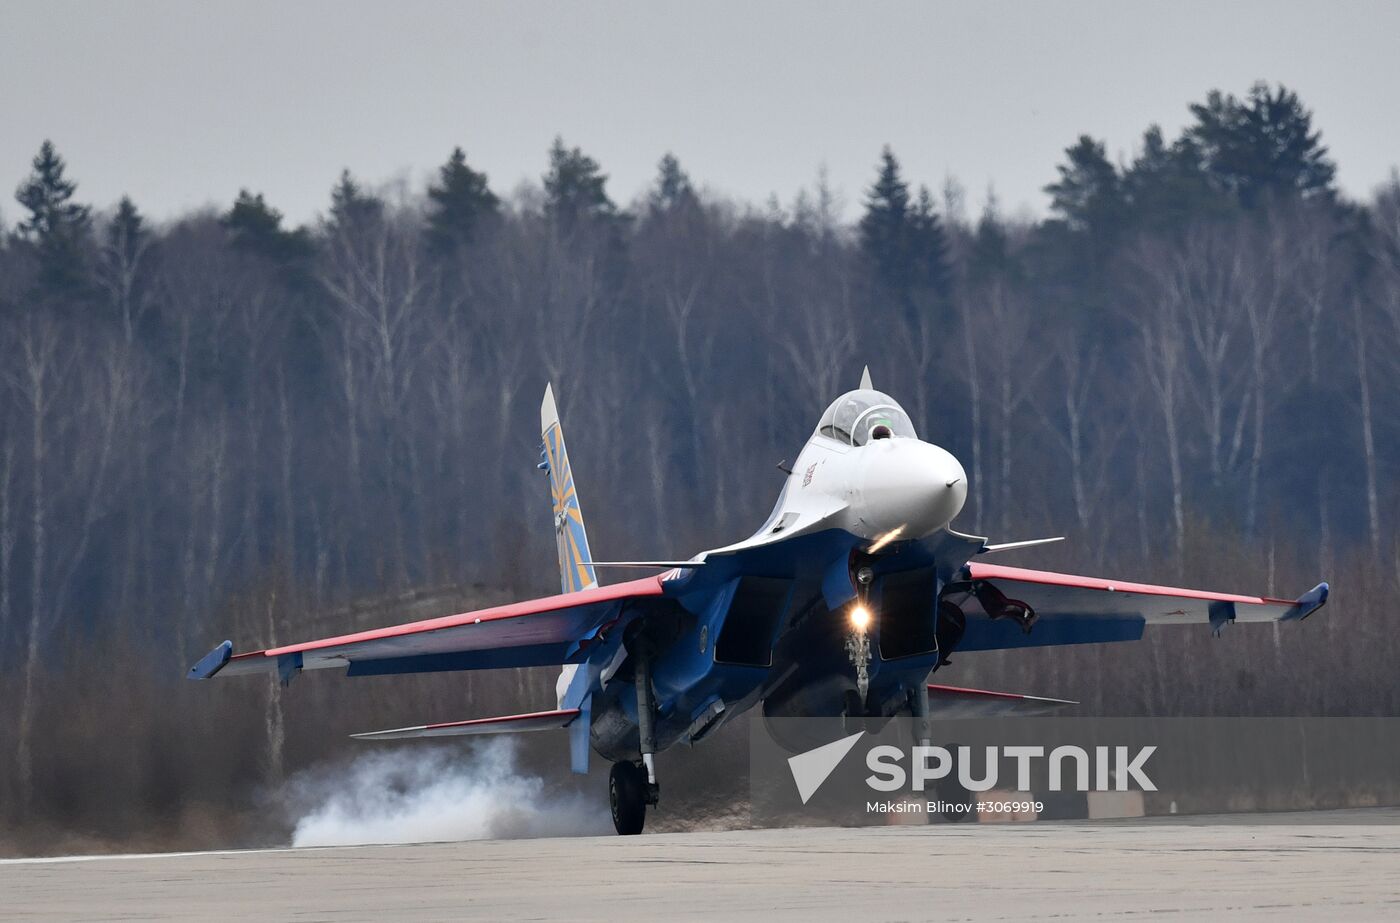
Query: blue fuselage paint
<point x="806" y="660"/>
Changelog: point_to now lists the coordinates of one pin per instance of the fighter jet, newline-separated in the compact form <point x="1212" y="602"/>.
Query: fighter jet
<point x="843" y="603"/>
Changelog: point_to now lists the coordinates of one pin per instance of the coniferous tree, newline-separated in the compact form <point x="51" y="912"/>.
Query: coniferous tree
<point x="1167" y="185"/>
<point x="56" y="226"/>
<point x="461" y="201"/>
<point x="351" y="206"/>
<point x="990" y="254"/>
<point x="1089" y="192"/>
<point x="673" y="190"/>
<point x="256" y="227"/>
<point x="929" y="246"/>
<point x="126" y="234"/>
<point x="885" y="226"/>
<point x="575" y="189"/>
<point x="903" y="240"/>
<point x="124" y="268"/>
<point x="1263" y="146"/>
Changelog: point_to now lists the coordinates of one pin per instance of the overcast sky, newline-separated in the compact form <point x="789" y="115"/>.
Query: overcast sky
<point x="179" y="104"/>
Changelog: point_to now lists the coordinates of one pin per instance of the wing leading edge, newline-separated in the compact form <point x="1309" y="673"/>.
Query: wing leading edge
<point x="537" y="632"/>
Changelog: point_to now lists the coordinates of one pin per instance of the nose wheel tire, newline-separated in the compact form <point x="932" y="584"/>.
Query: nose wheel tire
<point x="627" y="795"/>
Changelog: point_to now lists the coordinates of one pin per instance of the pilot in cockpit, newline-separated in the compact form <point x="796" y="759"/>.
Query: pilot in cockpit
<point x="858" y="417"/>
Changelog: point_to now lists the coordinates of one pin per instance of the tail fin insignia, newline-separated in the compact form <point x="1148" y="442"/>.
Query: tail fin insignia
<point x="575" y="571"/>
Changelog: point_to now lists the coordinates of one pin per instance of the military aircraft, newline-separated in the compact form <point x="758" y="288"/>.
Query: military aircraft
<point x="843" y="603"/>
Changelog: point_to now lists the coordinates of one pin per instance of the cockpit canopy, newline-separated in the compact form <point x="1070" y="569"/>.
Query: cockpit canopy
<point x="857" y="417"/>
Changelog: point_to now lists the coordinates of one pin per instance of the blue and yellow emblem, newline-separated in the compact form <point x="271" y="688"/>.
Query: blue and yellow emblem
<point x="576" y="573"/>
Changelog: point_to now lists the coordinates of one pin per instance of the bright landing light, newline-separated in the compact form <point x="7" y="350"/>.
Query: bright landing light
<point x="884" y="540"/>
<point x="860" y="618"/>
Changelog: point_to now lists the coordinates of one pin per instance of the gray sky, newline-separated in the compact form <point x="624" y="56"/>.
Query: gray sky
<point x="181" y="103"/>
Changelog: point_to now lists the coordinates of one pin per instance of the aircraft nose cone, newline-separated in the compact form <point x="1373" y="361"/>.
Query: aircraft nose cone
<point x="911" y="485"/>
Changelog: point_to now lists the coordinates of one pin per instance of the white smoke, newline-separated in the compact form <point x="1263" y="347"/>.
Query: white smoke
<point x="418" y="794"/>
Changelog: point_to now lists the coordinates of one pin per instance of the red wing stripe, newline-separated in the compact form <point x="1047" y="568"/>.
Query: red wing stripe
<point x="959" y="690"/>
<point x="936" y="690"/>
<point x="980" y="571"/>
<point x="569" y="713"/>
<point x="647" y="586"/>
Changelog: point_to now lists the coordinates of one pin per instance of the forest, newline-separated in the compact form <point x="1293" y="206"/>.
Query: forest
<point x="221" y="426"/>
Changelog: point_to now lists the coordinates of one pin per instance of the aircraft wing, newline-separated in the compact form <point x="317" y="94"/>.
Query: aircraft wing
<point x="1008" y="607"/>
<point x="539" y="632"/>
<point x="960" y="702"/>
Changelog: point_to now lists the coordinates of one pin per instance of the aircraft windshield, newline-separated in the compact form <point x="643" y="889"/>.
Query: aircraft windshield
<point x="858" y="417"/>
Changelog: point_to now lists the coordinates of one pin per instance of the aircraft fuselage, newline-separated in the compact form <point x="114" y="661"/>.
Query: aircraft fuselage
<point x="772" y="619"/>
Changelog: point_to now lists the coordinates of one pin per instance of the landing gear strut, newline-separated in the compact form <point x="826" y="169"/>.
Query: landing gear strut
<point x="858" y="640"/>
<point x="918" y="707"/>
<point x="632" y="786"/>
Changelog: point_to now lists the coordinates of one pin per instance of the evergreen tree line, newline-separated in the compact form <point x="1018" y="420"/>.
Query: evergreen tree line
<point x="223" y="426"/>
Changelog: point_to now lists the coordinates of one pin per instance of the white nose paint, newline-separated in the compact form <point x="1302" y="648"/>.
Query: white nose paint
<point x="905" y="483"/>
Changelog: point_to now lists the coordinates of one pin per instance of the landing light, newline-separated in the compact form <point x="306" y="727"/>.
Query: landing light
<point x="860" y="618"/>
<point x="883" y="540"/>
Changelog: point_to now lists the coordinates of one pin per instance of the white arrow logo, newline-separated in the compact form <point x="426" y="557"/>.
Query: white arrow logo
<point x="811" y="769"/>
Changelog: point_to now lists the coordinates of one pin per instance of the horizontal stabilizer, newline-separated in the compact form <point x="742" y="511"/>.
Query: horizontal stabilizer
<point x="506" y="724"/>
<point x="957" y="702"/>
<point x="1012" y="546"/>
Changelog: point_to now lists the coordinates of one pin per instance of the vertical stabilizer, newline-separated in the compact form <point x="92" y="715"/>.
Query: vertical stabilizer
<point x="865" y="384"/>
<point x="570" y="538"/>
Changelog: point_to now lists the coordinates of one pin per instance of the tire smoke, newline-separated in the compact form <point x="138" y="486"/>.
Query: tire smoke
<point x="418" y="794"/>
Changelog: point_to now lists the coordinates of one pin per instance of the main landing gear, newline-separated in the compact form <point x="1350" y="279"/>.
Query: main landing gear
<point x="632" y="786"/>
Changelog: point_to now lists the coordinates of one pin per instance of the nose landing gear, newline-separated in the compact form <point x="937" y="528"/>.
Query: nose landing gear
<point x="858" y="638"/>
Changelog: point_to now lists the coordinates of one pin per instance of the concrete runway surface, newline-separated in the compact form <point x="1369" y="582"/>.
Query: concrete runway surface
<point x="957" y="872"/>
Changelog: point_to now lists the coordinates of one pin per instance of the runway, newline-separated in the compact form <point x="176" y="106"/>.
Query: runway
<point x="958" y="872"/>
